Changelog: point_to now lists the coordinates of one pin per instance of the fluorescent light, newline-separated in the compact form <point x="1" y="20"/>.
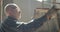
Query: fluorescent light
<point x="41" y="0"/>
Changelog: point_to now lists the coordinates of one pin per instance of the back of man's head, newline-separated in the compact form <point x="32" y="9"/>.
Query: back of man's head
<point x="12" y="10"/>
<point x="10" y="5"/>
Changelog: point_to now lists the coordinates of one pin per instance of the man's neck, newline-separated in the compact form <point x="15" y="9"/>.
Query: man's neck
<point x="13" y="17"/>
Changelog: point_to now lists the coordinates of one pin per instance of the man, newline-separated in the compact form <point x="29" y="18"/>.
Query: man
<point x="13" y="13"/>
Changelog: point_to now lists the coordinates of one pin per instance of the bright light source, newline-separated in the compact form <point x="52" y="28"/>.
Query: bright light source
<point x="41" y="0"/>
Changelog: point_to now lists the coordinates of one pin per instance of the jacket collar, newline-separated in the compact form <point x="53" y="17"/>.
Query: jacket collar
<point x="11" y="18"/>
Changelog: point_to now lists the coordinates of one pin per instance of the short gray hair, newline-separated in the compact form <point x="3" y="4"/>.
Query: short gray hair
<point x="10" y="4"/>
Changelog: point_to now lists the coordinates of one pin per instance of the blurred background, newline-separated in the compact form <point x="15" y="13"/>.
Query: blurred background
<point x="35" y="9"/>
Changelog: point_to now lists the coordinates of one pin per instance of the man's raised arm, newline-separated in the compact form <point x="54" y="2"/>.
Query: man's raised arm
<point x="38" y="22"/>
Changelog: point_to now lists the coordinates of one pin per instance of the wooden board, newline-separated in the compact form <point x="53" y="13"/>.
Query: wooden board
<point x="39" y="12"/>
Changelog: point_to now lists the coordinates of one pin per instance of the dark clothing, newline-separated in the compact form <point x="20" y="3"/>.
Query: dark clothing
<point x="9" y="25"/>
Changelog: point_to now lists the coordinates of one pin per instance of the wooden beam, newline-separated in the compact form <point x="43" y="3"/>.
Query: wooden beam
<point x="47" y="8"/>
<point x="42" y="8"/>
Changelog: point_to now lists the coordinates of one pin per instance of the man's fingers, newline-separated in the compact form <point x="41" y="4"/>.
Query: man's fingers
<point x="49" y="17"/>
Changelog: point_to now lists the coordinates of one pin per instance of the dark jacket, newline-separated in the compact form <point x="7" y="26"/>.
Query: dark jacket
<point x="9" y="25"/>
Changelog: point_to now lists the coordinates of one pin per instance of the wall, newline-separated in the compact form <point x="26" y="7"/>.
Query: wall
<point x="26" y="9"/>
<point x="0" y="9"/>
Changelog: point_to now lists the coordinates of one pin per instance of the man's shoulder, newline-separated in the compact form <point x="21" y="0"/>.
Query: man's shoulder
<point x="9" y="20"/>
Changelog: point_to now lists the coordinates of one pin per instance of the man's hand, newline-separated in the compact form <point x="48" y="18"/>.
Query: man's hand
<point x="50" y="12"/>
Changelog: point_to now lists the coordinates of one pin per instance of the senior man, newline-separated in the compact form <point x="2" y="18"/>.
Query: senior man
<point x="13" y="13"/>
